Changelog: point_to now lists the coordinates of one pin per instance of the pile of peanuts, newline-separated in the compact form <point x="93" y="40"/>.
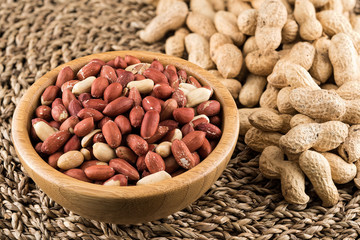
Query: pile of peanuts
<point x="125" y="122"/>
<point x="293" y="66"/>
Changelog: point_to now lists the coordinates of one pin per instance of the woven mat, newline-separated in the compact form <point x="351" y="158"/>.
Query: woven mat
<point x="37" y="36"/>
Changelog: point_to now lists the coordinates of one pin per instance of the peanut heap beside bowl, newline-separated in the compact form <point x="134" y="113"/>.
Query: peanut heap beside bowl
<point x="128" y="204"/>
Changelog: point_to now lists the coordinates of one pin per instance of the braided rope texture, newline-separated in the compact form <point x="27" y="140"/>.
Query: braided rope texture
<point x="36" y="36"/>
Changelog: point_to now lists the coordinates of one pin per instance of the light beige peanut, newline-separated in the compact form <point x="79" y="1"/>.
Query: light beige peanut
<point x="350" y="149"/>
<point x="199" y="50"/>
<point x="269" y="97"/>
<point x="154" y="178"/>
<point x="335" y="5"/>
<point x="258" y="140"/>
<point x="286" y="123"/>
<point x="86" y="153"/>
<point x="302" y="53"/>
<point x="355" y="22"/>
<point x="320" y="136"/>
<point x="83" y="86"/>
<point x="203" y="7"/>
<point x="43" y="130"/>
<point x="300" y="119"/>
<point x="321" y="68"/>
<point x="272" y="16"/>
<point x="138" y="68"/>
<point x="305" y="16"/>
<point x="217" y="40"/>
<point x="225" y="23"/>
<point x="246" y="21"/>
<point x="318" y="104"/>
<point x="249" y="46"/>
<point x="319" y="3"/>
<point x="143" y="86"/>
<point x="163" y="149"/>
<point x="175" y="45"/>
<point x="283" y="101"/>
<point x="171" y="19"/>
<point x="186" y="87"/>
<point x="352" y="114"/>
<point x="289" y="31"/>
<point x="200" y="24"/>
<point x="103" y="152"/>
<point x="343" y="57"/>
<point x="341" y="171"/>
<point x="349" y="90"/>
<point x="163" y="5"/>
<point x="272" y="165"/>
<point x="348" y="5"/>
<point x="237" y="6"/>
<point x="244" y="114"/>
<point x="233" y="85"/>
<point x="256" y="3"/>
<point x="251" y="91"/>
<point x="197" y="96"/>
<point x="70" y="159"/>
<point x="87" y="139"/>
<point x="297" y="76"/>
<point x="261" y="62"/>
<point x="317" y="169"/>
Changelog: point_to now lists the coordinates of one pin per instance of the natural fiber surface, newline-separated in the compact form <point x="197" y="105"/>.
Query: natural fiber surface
<point x="37" y="36"/>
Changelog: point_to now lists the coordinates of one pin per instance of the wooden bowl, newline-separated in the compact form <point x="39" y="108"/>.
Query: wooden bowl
<point x="130" y="204"/>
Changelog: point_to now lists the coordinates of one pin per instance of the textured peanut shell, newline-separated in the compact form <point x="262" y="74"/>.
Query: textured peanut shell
<point x="225" y="23"/>
<point x="341" y="171"/>
<point x="335" y="5"/>
<point x="171" y="19"/>
<point x="331" y="135"/>
<point x="237" y="6"/>
<point x="283" y="101"/>
<point x="269" y="97"/>
<point x="333" y="22"/>
<point x="244" y="114"/>
<point x="175" y="45"/>
<point x="258" y="140"/>
<point x="321" y="68"/>
<point x="228" y="59"/>
<point x="249" y="46"/>
<point x="300" y="138"/>
<point x="266" y="120"/>
<point x="352" y="114"/>
<point x="318" y="104"/>
<point x="297" y="76"/>
<point x="203" y="7"/>
<point x="233" y="85"/>
<point x="198" y="50"/>
<point x="217" y="40"/>
<point x="319" y="3"/>
<point x="348" y="5"/>
<point x="286" y="123"/>
<point x="304" y="13"/>
<point x="349" y="90"/>
<point x="272" y="16"/>
<point x="317" y="169"/>
<point x="200" y="24"/>
<point x="355" y="22"/>
<point x="273" y="166"/>
<point x="289" y="31"/>
<point x="303" y="54"/>
<point x="261" y="62"/>
<point x="343" y="57"/>
<point x="246" y="21"/>
<point x="217" y="5"/>
<point x="251" y="91"/>
<point x="163" y="5"/>
<point x="300" y="119"/>
<point x="350" y="149"/>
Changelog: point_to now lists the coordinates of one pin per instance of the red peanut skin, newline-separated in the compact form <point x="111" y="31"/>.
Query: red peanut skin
<point x="90" y="163"/>
<point x="112" y="134"/>
<point x="212" y="131"/>
<point x="84" y="96"/>
<point x="155" y="75"/>
<point x="96" y="104"/>
<point x="159" y="134"/>
<point x="126" y="154"/>
<point x="123" y="124"/>
<point x="112" y="92"/>
<point x="84" y="127"/>
<point x="136" y="116"/>
<point x="140" y="163"/>
<point x="135" y="95"/>
<point x="109" y="73"/>
<point x="72" y="144"/>
<point x="98" y="87"/>
<point x="65" y="74"/>
<point x="124" y="77"/>
<point x="43" y="112"/>
<point x="118" y="106"/>
<point x="77" y="174"/>
<point x="122" y="179"/>
<point x="119" y="62"/>
<point x="182" y="154"/>
<point x="154" y="162"/>
<point x="53" y="158"/>
<point x="194" y="140"/>
<point x="209" y="108"/>
<point x="99" y="172"/>
<point x="90" y="69"/>
<point x="150" y="124"/>
<point x="137" y="144"/>
<point x="54" y="142"/>
<point x="75" y="107"/>
<point x="90" y="112"/>
<point x="123" y="167"/>
<point x="183" y="115"/>
<point x="151" y="103"/>
<point x="130" y="60"/>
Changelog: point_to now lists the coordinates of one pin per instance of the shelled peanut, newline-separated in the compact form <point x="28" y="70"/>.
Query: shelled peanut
<point x="125" y="122"/>
<point x="298" y="85"/>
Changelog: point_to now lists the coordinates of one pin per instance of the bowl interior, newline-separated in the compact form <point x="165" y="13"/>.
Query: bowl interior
<point x="131" y="204"/>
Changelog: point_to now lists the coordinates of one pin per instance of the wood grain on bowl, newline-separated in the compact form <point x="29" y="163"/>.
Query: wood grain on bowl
<point x="130" y="204"/>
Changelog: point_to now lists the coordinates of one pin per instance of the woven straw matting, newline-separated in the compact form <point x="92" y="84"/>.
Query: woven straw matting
<point x="37" y="36"/>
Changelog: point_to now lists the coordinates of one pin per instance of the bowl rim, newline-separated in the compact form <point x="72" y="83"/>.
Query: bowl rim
<point x="32" y="161"/>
